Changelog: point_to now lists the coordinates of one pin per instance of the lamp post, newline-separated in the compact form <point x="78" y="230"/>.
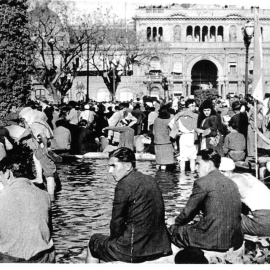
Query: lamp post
<point x="248" y="31"/>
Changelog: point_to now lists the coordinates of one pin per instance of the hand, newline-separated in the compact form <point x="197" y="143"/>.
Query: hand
<point x="170" y="221"/>
<point x="256" y="129"/>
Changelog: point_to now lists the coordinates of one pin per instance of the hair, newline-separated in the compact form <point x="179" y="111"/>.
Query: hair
<point x="211" y="155"/>
<point x="233" y="123"/>
<point x="250" y="100"/>
<point x="124" y="154"/>
<point x="207" y="104"/>
<point x="188" y="102"/>
<point x="82" y="123"/>
<point x="14" y="163"/>
<point x="164" y="113"/>
<point x="190" y="255"/>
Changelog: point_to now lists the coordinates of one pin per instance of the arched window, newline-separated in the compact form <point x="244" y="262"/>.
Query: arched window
<point x="155" y="66"/>
<point x="205" y="34"/>
<point x="189" y="31"/>
<point x="220" y="34"/>
<point x="197" y="33"/>
<point x="148" y="33"/>
<point x="160" y="34"/>
<point x="213" y="33"/>
<point x="154" y="34"/>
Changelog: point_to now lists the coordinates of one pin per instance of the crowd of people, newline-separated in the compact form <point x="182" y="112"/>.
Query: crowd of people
<point x="207" y="138"/>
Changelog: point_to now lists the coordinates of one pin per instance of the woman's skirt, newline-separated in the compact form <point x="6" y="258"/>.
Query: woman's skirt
<point x="164" y="154"/>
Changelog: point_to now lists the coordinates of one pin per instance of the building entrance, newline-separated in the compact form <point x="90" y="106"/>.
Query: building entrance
<point x="204" y="75"/>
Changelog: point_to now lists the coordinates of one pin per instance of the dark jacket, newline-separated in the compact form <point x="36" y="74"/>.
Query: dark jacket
<point x="219" y="200"/>
<point x="137" y="227"/>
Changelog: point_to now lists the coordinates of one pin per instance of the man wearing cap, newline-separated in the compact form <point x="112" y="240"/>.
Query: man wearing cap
<point x="255" y="195"/>
<point x="138" y="231"/>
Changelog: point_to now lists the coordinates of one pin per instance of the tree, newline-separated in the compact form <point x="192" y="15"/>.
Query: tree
<point x="61" y="38"/>
<point x="16" y="54"/>
<point x="68" y="43"/>
<point x="122" y="49"/>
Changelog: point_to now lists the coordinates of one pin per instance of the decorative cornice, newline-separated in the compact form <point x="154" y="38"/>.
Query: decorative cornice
<point x="199" y="18"/>
<point x="234" y="15"/>
<point x="178" y="15"/>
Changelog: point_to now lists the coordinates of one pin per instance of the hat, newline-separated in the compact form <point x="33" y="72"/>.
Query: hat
<point x="236" y="105"/>
<point x="191" y="97"/>
<point x="86" y="106"/>
<point x="226" y="164"/>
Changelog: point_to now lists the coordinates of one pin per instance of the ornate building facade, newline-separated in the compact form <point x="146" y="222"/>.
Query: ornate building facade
<point x="206" y="49"/>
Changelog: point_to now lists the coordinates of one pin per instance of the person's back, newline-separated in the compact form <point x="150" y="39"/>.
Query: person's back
<point x="220" y="227"/>
<point x="143" y="206"/>
<point x="24" y="220"/>
<point x="62" y="138"/>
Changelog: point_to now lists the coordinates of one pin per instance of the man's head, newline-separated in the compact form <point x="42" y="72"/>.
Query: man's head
<point x="227" y="166"/>
<point x="121" y="162"/>
<point x="10" y="167"/>
<point x="209" y="161"/>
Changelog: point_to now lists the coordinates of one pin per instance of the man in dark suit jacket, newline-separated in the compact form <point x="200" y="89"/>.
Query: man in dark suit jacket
<point x="219" y="200"/>
<point x="138" y="231"/>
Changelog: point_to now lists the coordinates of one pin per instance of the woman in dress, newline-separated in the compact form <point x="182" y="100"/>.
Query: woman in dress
<point x="209" y="128"/>
<point x="163" y="144"/>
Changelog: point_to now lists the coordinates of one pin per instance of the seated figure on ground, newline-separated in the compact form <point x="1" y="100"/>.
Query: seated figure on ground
<point x="255" y="195"/>
<point x="138" y="231"/>
<point x="61" y="136"/>
<point x="219" y="228"/>
<point x="235" y="143"/>
<point x="25" y="234"/>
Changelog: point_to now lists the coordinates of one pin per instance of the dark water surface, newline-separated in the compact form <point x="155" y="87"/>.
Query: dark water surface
<point x="84" y="204"/>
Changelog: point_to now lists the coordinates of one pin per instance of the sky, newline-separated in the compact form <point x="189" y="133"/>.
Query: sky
<point x="127" y="8"/>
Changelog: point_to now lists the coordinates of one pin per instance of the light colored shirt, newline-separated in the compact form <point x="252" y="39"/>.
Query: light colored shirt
<point x="24" y="218"/>
<point x="62" y="138"/>
<point x="253" y="192"/>
<point x="73" y="117"/>
<point x="88" y="115"/>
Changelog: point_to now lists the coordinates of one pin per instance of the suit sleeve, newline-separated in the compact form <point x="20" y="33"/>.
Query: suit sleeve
<point x="192" y="207"/>
<point x="119" y="212"/>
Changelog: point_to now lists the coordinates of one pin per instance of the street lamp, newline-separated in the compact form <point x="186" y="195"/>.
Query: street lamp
<point x="248" y="31"/>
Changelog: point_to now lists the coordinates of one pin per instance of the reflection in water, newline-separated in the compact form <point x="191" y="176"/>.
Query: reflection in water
<point x="84" y="204"/>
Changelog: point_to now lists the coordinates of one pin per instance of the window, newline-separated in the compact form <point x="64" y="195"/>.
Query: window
<point x="213" y="33"/>
<point x="197" y="33"/>
<point x="220" y="34"/>
<point x="154" y="34"/>
<point x="160" y="34"/>
<point x="189" y="31"/>
<point x="205" y="34"/>
<point x="233" y="68"/>
<point x="148" y="34"/>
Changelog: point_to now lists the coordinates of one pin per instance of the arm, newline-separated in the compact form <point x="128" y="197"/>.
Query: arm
<point x="118" y="129"/>
<point x="226" y="145"/>
<point x="267" y="140"/>
<point x="133" y="119"/>
<point x="119" y="211"/>
<point x="192" y="207"/>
